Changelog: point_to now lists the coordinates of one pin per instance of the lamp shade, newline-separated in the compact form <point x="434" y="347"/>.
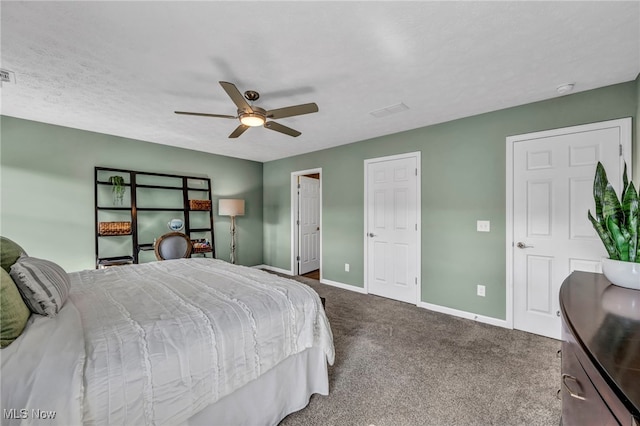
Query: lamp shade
<point x="230" y="207"/>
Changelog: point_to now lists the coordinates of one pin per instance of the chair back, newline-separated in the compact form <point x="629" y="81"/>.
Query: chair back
<point x="173" y="245"/>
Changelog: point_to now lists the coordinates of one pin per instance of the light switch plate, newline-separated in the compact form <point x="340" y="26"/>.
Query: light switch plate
<point x="483" y="226"/>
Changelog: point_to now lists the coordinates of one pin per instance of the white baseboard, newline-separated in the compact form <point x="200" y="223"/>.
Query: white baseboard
<point x="424" y="305"/>
<point x="274" y="269"/>
<point x="464" y="314"/>
<point x="343" y="286"/>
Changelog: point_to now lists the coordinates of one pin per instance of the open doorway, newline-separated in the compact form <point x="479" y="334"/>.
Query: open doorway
<point x="306" y="223"/>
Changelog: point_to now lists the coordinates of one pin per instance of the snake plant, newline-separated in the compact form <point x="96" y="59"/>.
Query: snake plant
<point x="616" y="222"/>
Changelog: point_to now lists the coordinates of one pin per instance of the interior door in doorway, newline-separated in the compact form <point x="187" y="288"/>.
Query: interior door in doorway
<point x="309" y="224"/>
<point x="552" y="236"/>
<point x="392" y="228"/>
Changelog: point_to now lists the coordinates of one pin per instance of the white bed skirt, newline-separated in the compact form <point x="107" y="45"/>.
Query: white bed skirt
<point x="282" y="390"/>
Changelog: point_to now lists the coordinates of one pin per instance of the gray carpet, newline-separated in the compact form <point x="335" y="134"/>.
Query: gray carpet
<point x="397" y="364"/>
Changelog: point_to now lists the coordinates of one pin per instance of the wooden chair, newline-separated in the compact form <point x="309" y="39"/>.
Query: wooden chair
<point x="173" y="245"/>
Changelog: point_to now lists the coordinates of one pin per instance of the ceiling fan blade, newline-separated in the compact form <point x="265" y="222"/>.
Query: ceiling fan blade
<point x="272" y="125"/>
<point x="238" y="131"/>
<point x="201" y="114"/>
<point x="292" y="110"/>
<point x="235" y="96"/>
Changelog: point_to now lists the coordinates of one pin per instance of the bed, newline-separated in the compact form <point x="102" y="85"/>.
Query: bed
<point x="177" y="342"/>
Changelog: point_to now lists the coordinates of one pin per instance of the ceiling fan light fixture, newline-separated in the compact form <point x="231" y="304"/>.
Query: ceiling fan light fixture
<point x="254" y="116"/>
<point x="252" y="120"/>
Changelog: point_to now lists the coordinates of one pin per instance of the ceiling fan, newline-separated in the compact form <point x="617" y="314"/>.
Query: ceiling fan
<point x="253" y="116"/>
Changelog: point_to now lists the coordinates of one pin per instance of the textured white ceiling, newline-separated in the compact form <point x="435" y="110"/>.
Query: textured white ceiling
<point x="122" y="68"/>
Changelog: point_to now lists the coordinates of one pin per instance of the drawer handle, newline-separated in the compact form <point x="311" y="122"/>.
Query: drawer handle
<point x="573" y="394"/>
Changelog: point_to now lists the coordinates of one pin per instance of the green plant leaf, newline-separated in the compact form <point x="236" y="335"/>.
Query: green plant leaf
<point x="611" y="206"/>
<point x="622" y="244"/>
<point x="625" y="180"/>
<point x="631" y="210"/>
<point x="600" y="182"/>
<point x="604" y="237"/>
<point x="617" y="222"/>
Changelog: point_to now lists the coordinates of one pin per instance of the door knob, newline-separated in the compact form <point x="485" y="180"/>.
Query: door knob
<point x="522" y="245"/>
<point x="371" y="234"/>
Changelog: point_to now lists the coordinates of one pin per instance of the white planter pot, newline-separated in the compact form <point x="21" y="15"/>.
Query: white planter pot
<point x="623" y="274"/>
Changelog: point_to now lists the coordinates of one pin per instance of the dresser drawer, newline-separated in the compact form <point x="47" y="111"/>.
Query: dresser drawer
<point x="581" y="402"/>
<point x="600" y="348"/>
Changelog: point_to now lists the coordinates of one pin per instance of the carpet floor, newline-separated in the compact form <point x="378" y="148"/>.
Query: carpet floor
<point x="397" y="364"/>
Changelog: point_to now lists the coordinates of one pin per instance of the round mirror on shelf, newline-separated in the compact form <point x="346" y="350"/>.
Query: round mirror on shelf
<point x="176" y="224"/>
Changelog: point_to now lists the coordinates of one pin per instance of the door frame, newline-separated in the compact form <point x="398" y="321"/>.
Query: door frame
<point x="624" y="124"/>
<point x="294" y="214"/>
<point x="417" y="156"/>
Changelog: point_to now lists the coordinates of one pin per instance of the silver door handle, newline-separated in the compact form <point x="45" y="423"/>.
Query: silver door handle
<point x="522" y="245"/>
<point x="371" y="234"/>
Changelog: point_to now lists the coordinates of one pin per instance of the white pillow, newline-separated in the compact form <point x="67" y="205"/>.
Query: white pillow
<point x="44" y="285"/>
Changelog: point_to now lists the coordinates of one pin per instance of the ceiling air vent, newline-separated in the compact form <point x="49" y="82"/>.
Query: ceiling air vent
<point x="7" y="76"/>
<point x="392" y="109"/>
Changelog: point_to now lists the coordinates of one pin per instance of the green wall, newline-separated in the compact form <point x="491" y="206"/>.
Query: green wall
<point x="46" y="202"/>
<point x="47" y="188"/>
<point x="465" y="156"/>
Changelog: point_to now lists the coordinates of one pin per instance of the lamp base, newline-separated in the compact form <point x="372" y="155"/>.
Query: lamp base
<point x="233" y="240"/>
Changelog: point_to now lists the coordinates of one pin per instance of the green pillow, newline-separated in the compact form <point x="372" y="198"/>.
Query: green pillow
<point x="9" y="253"/>
<point x="13" y="311"/>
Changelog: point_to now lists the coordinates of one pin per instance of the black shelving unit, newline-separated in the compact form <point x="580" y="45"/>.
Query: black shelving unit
<point x="133" y="185"/>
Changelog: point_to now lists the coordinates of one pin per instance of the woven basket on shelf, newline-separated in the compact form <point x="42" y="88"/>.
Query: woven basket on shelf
<point x="200" y="204"/>
<point x="114" y="228"/>
<point x="201" y="249"/>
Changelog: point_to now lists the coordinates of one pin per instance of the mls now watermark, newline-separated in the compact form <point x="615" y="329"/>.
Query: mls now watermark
<point x="23" y="414"/>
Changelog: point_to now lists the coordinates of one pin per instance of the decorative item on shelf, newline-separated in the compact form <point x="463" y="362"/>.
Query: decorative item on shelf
<point x="233" y="208"/>
<point x="201" y="245"/>
<point x="117" y="188"/>
<point x="176" y="224"/>
<point x="618" y="226"/>
<point x="114" y="228"/>
<point x="200" y="204"/>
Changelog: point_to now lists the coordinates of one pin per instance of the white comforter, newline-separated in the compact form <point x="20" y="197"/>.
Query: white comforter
<point x="161" y="341"/>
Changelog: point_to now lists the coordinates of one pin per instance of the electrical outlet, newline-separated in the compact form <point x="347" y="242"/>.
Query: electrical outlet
<point x="483" y="226"/>
<point x="346" y="267"/>
<point x="481" y="290"/>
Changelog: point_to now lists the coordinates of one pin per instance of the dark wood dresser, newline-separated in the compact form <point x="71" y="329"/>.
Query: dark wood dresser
<point x="600" y="383"/>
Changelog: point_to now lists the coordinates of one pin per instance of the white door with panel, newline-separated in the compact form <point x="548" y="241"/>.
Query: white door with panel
<point x="552" y="191"/>
<point x="392" y="228"/>
<point x="309" y="224"/>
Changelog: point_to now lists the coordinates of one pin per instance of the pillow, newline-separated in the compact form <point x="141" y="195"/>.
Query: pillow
<point x="13" y="312"/>
<point x="43" y="284"/>
<point x="9" y="253"/>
